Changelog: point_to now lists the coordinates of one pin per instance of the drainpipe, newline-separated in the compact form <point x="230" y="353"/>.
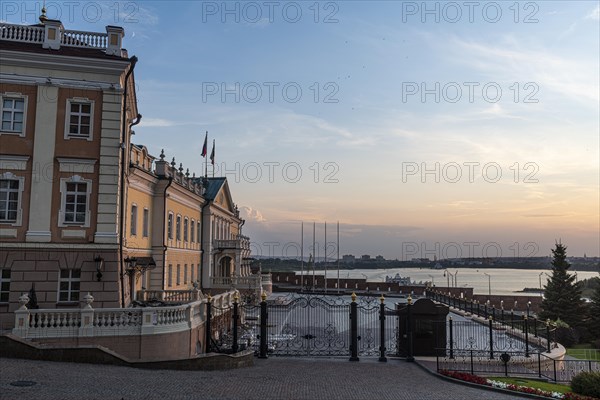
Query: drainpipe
<point x="201" y="238"/>
<point x="133" y="60"/>
<point x="165" y="217"/>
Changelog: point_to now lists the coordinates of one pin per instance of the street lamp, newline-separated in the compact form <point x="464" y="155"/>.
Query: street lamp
<point x="432" y="280"/>
<point x="489" y="284"/>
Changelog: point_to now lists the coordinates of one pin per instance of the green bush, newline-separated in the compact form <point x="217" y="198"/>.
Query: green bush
<point x="587" y="384"/>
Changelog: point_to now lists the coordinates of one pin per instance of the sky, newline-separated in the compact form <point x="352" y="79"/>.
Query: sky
<point x="424" y="128"/>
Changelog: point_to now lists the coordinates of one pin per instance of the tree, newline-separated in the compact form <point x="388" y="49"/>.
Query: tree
<point x="594" y="325"/>
<point x="562" y="295"/>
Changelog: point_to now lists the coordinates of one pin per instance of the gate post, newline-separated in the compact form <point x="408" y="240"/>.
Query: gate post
<point x="451" y="338"/>
<point x="235" y="316"/>
<point x="409" y="356"/>
<point x="491" y="339"/>
<point x="207" y="326"/>
<point x="263" y="326"/>
<point x="382" y="330"/>
<point x="353" y="329"/>
<point x="526" y="335"/>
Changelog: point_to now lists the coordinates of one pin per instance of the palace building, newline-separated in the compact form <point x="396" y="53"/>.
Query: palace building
<point x="83" y="209"/>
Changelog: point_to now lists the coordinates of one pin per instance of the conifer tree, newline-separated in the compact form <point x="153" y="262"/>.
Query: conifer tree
<point x="562" y="294"/>
<point x="594" y="325"/>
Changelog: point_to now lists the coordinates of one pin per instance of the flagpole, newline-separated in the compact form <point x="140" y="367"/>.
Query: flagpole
<point x="325" y="256"/>
<point x="314" y="255"/>
<point x="302" y="257"/>
<point x="205" y="150"/>
<point x="338" y="256"/>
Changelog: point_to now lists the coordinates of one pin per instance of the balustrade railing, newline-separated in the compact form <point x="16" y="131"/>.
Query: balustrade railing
<point x="84" y="39"/>
<point x="172" y="296"/>
<point x="22" y="33"/>
<point x="85" y="322"/>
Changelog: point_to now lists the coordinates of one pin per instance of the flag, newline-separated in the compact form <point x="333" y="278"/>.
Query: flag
<point x="212" y="154"/>
<point x="205" y="147"/>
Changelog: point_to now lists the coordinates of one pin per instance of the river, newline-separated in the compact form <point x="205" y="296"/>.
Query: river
<point x="500" y="280"/>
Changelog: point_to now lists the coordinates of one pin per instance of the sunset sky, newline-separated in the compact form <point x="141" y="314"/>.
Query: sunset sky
<point x="499" y="103"/>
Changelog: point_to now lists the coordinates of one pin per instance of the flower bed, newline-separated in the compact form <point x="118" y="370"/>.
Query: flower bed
<point x="463" y="376"/>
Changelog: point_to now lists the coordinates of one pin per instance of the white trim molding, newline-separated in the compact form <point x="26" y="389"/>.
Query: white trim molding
<point x="76" y="165"/>
<point x="21" y="179"/>
<point x="63" y="199"/>
<point x="16" y="163"/>
<point x="14" y="96"/>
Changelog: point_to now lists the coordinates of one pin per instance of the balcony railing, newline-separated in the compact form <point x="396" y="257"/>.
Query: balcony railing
<point x="170" y="296"/>
<point x="86" y="322"/>
<point x="252" y="281"/>
<point x="69" y="38"/>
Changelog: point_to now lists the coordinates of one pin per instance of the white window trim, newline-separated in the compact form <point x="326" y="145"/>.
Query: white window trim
<point x="21" y="179"/>
<point x="11" y="95"/>
<point x="186" y="230"/>
<point x="63" y="200"/>
<point x="4" y="280"/>
<point x="133" y="223"/>
<point x="178" y="227"/>
<point x="170" y="236"/>
<point x="70" y="279"/>
<point x="145" y="222"/>
<point x="79" y="100"/>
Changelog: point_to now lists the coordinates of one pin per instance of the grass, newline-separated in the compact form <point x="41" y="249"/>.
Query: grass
<point x="549" y="387"/>
<point x="584" y="351"/>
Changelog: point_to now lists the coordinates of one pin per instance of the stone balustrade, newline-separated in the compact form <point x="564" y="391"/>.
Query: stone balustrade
<point x="22" y="33"/>
<point x="88" y="322"/>
<point x="170" y="296"/>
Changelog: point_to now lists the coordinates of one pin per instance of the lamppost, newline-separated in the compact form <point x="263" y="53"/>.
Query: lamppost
<point x="432" y="280"/>
<point x="489" y="284"/>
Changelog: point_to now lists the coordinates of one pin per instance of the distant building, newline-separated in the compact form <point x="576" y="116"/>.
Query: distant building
<point x="349" y="259"/>
<point x="365" y="257"/>
<point x="379" y="258"/>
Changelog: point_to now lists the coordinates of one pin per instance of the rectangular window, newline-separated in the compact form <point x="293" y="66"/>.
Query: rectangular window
<point x="170" y="276"/>
<point x="185" y="273"/>
<point x="79" y="119"/>
<point x="4" y="285"/>
<point x="178" y="277"/>
<point x="178" y="228"/>
<point x="170" y="227"/>
<point x="198" y="233"/>
<point x="76" y="199"/>
<point x="145" y="221"/>
<point x="192" y="231"/>
<point x="9" y="200"/>
<point x="13" y="114"/>
<point x="68" y="289"/>
<point x="192" y="273"/>
<point x="198" y="274"/>
<point x="185" y="229"/>
<point x="133" y="220"/>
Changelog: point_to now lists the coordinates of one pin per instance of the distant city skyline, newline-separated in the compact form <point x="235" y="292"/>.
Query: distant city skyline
<point x="462" y="127"/>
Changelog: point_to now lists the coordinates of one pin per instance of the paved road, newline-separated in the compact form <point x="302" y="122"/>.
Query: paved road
<point x="275" y="378"/>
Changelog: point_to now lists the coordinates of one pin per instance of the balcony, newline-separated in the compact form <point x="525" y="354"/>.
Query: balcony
<point x="240" y="243"/>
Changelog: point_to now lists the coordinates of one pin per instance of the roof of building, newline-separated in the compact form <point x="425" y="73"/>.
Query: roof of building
<point x="213" y="186"/>
<point x="63" y="51"/>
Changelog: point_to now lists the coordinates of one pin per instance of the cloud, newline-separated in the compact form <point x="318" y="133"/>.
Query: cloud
<point x="252" y="214"/>
<point x="594" y="14"/>
<point x="156" y="122"/>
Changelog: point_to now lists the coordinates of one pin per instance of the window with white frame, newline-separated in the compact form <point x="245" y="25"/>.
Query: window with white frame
<point x="68" y="289"/>
<point x="145" y="222"/>
<point x="170" y="226"/>
<point x="185" y="273"/>
<point x="11" y="187"/>
<point x="80" y="115"/>
<point x="170" y="276"/>
<point x="192" y="231"/>
<point x="75" y="201"/>
<point x="185" y="229"/>
<point x="178" y="275"/>
<point x="4" y="285"/>
<point x="133" y="220"/>
<point x="178" y="228"/>
<point x="13" y="111"/>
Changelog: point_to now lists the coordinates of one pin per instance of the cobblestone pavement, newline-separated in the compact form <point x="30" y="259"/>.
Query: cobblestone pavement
<point x="274" y="378"/>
